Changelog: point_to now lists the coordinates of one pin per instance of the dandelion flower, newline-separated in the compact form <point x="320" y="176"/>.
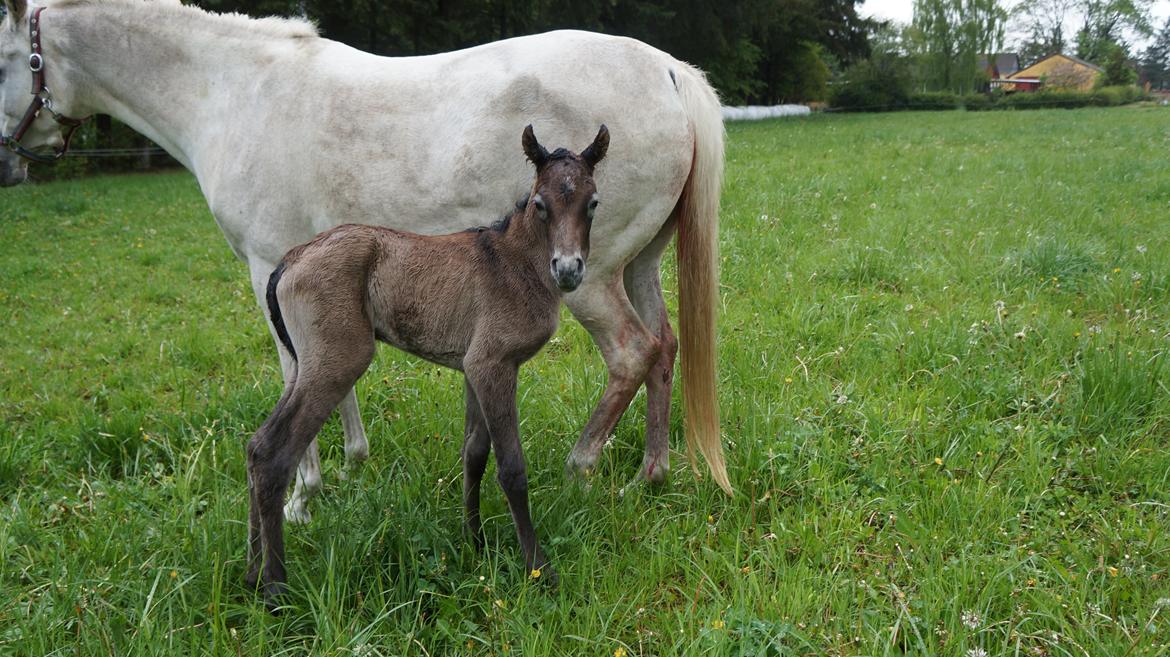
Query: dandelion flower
<point x="535" y="574"/>
<point x="718" y="624"/>
<point x="620" y="652"/>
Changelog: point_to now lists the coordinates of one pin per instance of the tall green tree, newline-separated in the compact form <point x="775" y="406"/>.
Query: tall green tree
<point x="1155" y="61"/>
<point x="948" y="36"/>
<point x="1105" y="24"/>
<point x="1044" y="21"/>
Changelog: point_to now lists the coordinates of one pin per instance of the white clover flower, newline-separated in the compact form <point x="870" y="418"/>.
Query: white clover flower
<point x="971" y="620"/>
<point x="977" y="652"/>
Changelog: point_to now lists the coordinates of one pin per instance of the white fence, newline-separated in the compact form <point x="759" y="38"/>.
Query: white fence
<point x="758" y="112"/>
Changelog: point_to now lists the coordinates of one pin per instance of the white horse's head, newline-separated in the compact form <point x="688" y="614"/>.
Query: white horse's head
<point x="16" y="81"/>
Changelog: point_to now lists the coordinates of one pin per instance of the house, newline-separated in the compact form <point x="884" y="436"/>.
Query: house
<point x="999" y="66"/>
<point x="1063" y="72"/>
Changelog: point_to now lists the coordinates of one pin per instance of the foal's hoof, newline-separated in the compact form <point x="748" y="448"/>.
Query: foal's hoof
<point x="545" y="576"/>
<point x="353" y="465"/>
<point x="297" y="513"/>
<point x="274" y="593"/>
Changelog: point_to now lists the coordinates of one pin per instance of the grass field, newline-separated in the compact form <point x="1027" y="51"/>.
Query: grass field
<point x="943" y="379"/>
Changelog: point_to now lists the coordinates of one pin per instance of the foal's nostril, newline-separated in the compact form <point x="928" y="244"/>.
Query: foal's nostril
<point x="580" y="265"/>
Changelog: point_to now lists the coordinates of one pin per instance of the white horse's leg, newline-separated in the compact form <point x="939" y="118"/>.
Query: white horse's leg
<point x="357" y="448"/>
<point x="644" y="286"/>
<point x="629" y="349"/>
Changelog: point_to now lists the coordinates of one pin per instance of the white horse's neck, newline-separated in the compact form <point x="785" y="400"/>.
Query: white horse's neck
<point x="176" y="74"/>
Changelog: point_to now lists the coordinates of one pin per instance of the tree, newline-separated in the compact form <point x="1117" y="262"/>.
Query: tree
<point x="949" y="35"/>
<point x="1105" y="23"/>
<point x="1118" y="69"/>
<point x="1155" y="62"/>
<point x="1045" y="25"/>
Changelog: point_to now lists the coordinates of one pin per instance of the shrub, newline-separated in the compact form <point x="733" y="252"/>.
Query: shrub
<point x="979" y="102"/>
<point x="935" y="100"/>
<point x="880" y="84"/>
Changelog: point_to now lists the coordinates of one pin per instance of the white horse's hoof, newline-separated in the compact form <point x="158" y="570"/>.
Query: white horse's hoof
<point x="297" y="514"/>
<point x="350" y="469"/>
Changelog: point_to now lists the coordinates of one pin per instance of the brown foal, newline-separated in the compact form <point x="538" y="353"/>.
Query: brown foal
<point x="481" y="301"/>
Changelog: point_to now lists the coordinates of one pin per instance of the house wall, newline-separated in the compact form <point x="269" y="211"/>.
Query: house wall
<point x="1061" y="73"/>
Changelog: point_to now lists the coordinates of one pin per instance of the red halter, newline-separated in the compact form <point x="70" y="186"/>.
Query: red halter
<point x="42" y="99"/>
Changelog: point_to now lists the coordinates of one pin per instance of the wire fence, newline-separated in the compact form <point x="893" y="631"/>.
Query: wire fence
<point x="149" y="151"/>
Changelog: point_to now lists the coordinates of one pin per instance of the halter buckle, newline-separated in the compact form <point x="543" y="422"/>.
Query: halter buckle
<point x="36" y="63"/>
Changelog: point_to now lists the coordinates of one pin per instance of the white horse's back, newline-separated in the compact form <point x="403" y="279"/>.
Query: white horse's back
<point x="428" y="144"/>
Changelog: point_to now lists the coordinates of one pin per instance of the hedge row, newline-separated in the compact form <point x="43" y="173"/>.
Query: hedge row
<point x="1103" y="97"/>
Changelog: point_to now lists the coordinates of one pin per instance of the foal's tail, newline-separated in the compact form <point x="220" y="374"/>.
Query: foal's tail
<point x="697" y="214"/>
<point x="274" y="310"/>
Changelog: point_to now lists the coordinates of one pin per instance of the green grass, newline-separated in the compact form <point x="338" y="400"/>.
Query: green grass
<point x="944" y="397"/>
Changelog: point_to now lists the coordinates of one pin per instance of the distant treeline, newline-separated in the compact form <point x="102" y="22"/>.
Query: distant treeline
<point x="755" y="51"/>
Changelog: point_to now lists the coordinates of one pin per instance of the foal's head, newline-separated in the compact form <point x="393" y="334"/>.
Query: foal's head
<point x="564" y="198"/>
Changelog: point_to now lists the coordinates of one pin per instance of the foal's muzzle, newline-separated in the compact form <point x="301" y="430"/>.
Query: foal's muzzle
<point x="567" y="271"/>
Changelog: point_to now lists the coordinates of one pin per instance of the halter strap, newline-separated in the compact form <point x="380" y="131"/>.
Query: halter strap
<point x="42" y="100"/>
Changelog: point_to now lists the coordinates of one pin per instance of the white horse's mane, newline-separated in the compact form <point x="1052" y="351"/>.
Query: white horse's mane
<point x="272" y="26"/>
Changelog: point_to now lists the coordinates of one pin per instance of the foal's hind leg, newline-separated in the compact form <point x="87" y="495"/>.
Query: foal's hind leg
<point x="272" y="456"/>
<point x="308" y="481"/>
<point x="338" y="350"/>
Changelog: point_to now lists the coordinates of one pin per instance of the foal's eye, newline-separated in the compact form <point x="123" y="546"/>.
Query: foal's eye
<point x="541" y="210"/>
<point x="592" y="207"/>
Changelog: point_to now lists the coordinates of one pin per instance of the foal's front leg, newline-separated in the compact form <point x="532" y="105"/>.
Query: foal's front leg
<point x="476" y="447"/>
<point x="494" y="385"/>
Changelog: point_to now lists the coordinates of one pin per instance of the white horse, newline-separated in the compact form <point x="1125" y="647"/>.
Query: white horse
<point x="289" y="134"/>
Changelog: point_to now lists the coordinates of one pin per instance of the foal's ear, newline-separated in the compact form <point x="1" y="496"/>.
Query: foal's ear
<point x="16" y="9"/>
<point x="596" y="151"/>
<point x="536" y="153"/>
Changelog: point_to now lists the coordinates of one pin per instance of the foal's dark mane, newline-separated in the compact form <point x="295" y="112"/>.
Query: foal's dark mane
<point x="501" y="225"/>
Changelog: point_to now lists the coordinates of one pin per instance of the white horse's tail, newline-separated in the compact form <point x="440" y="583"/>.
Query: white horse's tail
<point x="697" y="215"/>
